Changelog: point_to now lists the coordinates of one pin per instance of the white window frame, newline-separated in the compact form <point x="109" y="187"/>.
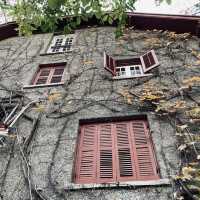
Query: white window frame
<point x="128" y="71"/>
<point x="63" y="38"/>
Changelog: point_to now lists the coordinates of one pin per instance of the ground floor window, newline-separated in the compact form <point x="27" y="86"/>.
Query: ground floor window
<point x="115" y="152"/>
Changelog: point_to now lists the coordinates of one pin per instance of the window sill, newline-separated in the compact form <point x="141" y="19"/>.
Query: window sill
<point x="73" y="186"/>
<point x="47" y="54"/>
<point x="42" y="85"/>
<point x="128" y="77"/>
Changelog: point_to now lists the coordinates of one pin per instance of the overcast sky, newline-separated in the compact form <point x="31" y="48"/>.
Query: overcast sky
<point x="176" y="7"/>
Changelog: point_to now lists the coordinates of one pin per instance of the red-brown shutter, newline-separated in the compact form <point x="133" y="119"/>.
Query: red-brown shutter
<point x="86" y="171"/>
<point x="145" y="158"/>
<point x="106" y="157"/>
<point x="110" y="64"/>
<point x="149" y="61"/>
<point x="114" y="152"/>
<point x="125" y="154"/>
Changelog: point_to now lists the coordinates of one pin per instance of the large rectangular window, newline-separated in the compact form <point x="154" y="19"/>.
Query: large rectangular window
<point x="115" y="152"/>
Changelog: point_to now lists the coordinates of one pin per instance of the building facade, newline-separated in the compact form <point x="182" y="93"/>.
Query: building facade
<point x="82" y="115"/>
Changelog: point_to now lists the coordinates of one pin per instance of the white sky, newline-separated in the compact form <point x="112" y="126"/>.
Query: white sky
<point x="176" y="7"/>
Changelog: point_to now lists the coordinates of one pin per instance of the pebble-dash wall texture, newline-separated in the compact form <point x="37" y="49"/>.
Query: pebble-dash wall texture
<point x="88" y="92"/>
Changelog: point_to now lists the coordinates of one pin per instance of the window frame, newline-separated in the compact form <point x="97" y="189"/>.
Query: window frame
<point x="52" y="67"/>
<point x="128" y="72"/>
<point x="64" y="38"/>
<point x="121" y="179"/>
<point x="149" y="58"/>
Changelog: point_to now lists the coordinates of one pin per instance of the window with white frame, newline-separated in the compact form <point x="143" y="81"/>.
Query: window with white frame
<point x="131" y="67"/>
<point x="129" y="71"/>
<point x="61" y="44"/>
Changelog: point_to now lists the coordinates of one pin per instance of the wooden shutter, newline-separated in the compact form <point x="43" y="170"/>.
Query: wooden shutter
<point x="106" y="158"/>
<point x="114" y="152"/>
<point x="145" y="158"/>
<point x="149" y="61"/>
<point x="87" y="154"/>
<point x="110" y="64"/>
<point x="125" y="154"/>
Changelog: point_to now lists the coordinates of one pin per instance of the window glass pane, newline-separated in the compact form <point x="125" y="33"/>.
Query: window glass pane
<point x="56" y="79"/>
<point x="45" y="72"/>
<point x="138" y="72"/>
<point x="137" y="68"/>
<point x="41" y="81"/>
<point x="59" y="71"/>
<point x="132" y="72"/>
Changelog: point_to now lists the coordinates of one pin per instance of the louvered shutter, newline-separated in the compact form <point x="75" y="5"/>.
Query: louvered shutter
<point x="106" y="156"/>
<point x="124" y="153"/>
<point x="149" y="61"/>
<point x="110" y="64"/>
<point x="87" y="153"/>
<point x="145" y="158"/>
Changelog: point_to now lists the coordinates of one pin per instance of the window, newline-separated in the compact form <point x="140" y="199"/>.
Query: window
<point x="132" y="67"/>
<point x="61" y="43"/>
<point x="129" y="71"/>
<point x="49" y="74"/>
<point x="8" y="109"/>
<point x="115" y="152"/>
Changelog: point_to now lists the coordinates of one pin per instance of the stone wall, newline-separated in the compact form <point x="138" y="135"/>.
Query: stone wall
<point x="88" y="92"/>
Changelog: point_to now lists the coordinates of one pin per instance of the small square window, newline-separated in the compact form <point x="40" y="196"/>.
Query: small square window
<point x="61" y="44"/>
<point x="136" y="70"/>
<point x="120" y="71"/>
<point x="49" y="74"/>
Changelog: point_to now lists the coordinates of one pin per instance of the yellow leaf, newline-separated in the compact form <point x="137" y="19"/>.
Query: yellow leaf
<point x="194" y="52"/>
<point x="88" y="62"/>
<point x="182" y="127"/>
<point x="191" y="81"/>
<point x="54" y="97"/>
<point x="188" y="172"/>
<point x="39" y="108"/>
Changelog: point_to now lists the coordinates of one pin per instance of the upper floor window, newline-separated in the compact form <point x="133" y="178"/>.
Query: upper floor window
<point x="61" y="43"/>
<point x="132" y="67"/>
<point x="129" y="71"/>
<point x="115" y="152"/>
<point x="49" y="74"/>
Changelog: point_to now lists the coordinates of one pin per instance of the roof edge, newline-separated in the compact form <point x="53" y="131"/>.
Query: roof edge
<point x="142" y="21"/>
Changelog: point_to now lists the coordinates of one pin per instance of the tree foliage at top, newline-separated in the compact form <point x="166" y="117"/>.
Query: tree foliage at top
<point x="46" y="14"/>
<point x="31" y="14"/>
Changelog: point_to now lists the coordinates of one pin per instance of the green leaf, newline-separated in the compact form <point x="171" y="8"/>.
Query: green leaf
<point x="78" y="20"/>
<point x="105" y="18"/>
<point x="110" y="20"/>
<point x="169" y="2"/>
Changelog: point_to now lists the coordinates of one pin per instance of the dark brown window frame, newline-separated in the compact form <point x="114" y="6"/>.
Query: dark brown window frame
<point x="51" y="67"/>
